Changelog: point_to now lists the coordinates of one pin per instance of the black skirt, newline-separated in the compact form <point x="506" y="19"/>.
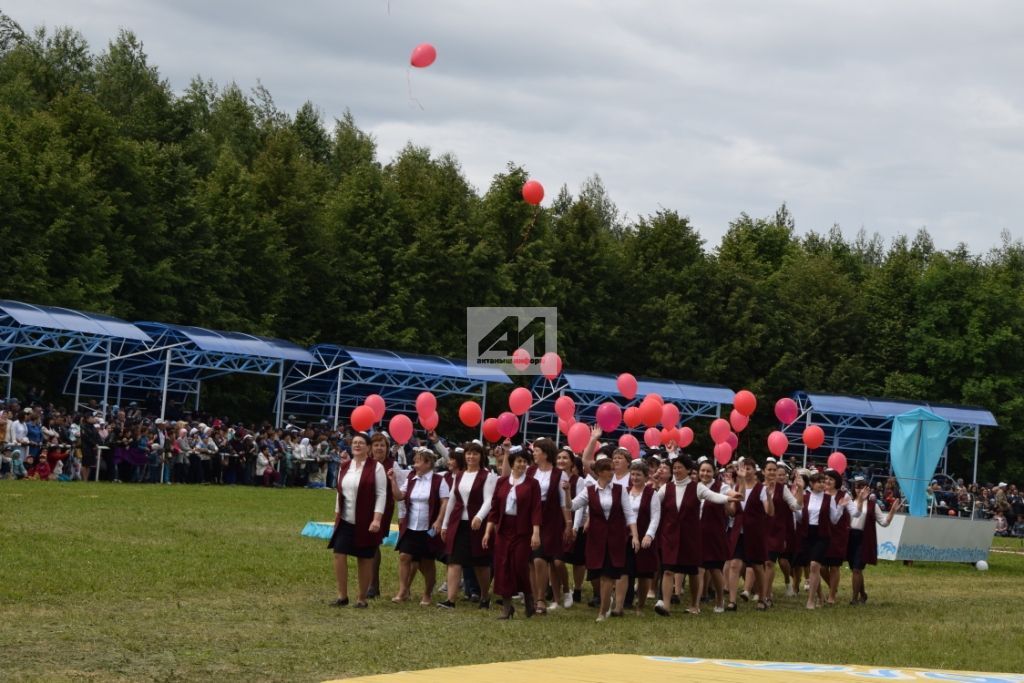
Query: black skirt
<point x="416" y="544"/>
<point x="343" y="542"/>
<point x="813" y="547"/>
<point x="577" y="555"/>
<point x="608" y="570"/>
<point x="854" y="548"/>
<point x="462" y="550"/>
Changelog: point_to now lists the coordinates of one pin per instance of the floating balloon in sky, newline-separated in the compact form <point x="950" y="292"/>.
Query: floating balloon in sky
<point x="423" y="55"/>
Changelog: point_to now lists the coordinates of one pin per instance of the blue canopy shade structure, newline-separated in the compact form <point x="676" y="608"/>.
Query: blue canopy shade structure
<point x="341" y="377"/>
<point x="861" y="426"/>
<point x="589" y="390"/>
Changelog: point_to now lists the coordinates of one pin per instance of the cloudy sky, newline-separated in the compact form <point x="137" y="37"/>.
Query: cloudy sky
<point x="877" y="115"/>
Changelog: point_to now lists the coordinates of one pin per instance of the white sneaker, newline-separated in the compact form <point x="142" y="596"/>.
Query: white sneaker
<point x="552" y="606"/>
<point x="443" y="588"/>
<point x="744" y="595"/>
<point x="719" y="610"/>
<point x="790" y="592"/>
<point x="755" y="597"/>
<point x="807" y="586"/>
<point x="600" y="617"/>
<point x="660" y="603"/>
<point x="518" y="596"/>
<point x="567" y="600"/>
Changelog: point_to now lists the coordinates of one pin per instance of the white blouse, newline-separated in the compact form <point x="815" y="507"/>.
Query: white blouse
<point x="544" y="481"/>
<point x="350" y="486"/>
<point x="858" y="522"/>
<point x="652" y="528"/>
<point x="703" y="493"/>
<point x="418" y="502"/>
<point x="465" y="488"/>
<point x="510" y="502"/>
<point x="604" y="496"/>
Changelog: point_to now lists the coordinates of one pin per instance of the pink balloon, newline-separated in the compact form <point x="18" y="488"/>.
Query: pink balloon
<point x="429" y="421"/>
<point x="470" y="413"/>
<point x="400" y="428"/>
<point x="733" y="441"/>
<point x="777" y="443"/>
<point x="650" y="411"/>
<point x="720" y="430"/>
<point x="814" y="436"/>
<point x="723" y="453"/>
<point x="629" y="442"/>
<point x="738" y="420"/>
<point x="627" y="386"/>
<point x="685" y="437"/>
<point x="490" y="429"/>
<point x="837" y="461"/>
<point x="520" y="359"/>
<point x="669" y="415"/>
<point x="508" y="424"/>
<point x="631" y="416"/>
<point x="652" y="437"/>
<point x="609" y="416"/>
<point x="565" y="407"/>
<point x="426" y="403"/>
<point x="564" y="425"/>
<point x="519" y="400"/>
<point x="656" y="398"/>
<point x="377" y="405"/>
<point x="669" y="434"/>
<point x="533" y="192"/>
<point x="423" y="55"/>
<point x="550" y="365"/>
<point x="578" y="437"/>
<point x="745" y="402"/>
<point x="786" y="410"/>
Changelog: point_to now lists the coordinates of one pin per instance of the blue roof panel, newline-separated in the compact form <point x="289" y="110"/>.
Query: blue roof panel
<point x="237" y="343"/>
<point x="68" y="320"/>
<point x="377" y="359"/>
<point x="883" y="407"/>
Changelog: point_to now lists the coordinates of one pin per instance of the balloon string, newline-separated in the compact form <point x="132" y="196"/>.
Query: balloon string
<point x="529" y="229"/>
<point x="408" y="82"/>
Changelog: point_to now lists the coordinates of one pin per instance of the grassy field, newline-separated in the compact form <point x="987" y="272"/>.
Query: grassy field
<point x="123" y="582"/>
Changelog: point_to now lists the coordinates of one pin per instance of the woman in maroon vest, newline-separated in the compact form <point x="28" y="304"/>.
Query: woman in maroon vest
<point x="680" y="532"/>
<point x="611" y="514"/>
<point x="574" y="549"/>
<point x="714" y="540"/>
<point x="779" y="526"/>
<point x="642" y="565"/>
<point x="863" y="543"/>
<point x="358" y="510"/>
<point x="747" y="537"/>
<point x="514" y="525"/>
<point x="837" y="549"/>
<point x="426" y="497"/>
<point x="813" y="533"/>
<point x="462" y="531"/>
<point x="554" y="522"/>
<point x="379" y="445"/>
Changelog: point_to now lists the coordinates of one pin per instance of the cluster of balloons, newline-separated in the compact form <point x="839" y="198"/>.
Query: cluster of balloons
<point x="550" y="362"/>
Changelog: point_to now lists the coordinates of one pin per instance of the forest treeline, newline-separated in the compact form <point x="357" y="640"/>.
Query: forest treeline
<point x="213" y="207"/>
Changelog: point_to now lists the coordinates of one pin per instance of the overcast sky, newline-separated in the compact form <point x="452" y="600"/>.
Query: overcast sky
<point x="884" y="115"/>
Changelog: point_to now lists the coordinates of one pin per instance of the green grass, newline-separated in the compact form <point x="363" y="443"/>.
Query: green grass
<point x="123" y="582"/>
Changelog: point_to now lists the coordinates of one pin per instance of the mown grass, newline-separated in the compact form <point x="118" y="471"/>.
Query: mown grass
<point x="122" y="582"/>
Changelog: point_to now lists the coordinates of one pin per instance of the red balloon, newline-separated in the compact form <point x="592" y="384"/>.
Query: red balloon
<point x="720" y="430"/>
<point x="814" y="436"/>
<point x="669" y="434"/>
<point x="631" y="416"/>
<point x="578" y="437"/>
<point x="669" y="415"/>
<point x="429" y="421"/>
<point x="786" y="410"/>
<point x="400" y="428"/>
<point x="508" y="424"/>
<point x="470" y="413"/>
<point x="423" y="55"/>
<point x="520" y="359"/>
<point x="732" y="440"/>
<point x="565" y="407"/>
<point x="685" y="437"/>
<point x="723" y="453"/>
<point x="426" y="403"/>
<point x="652" y="437"/>
<point x="362" y="418"/>
<point x="837" y="461"/>
<point x="626" y="384"/>
<point x="533" y="192"/>
<point x="650" y="412"/>
<point x="550" y="365"/>
<point x="629" y="442"/>
<point x="952" y="513"/>
<point x="377" y="405"/>
<point x="745" y="402"/>
<point x="491" y="432"/>
<point x="608" y="416"/>
<point x="564" y="425"/>
<point x="519" y="401"/>
<point x="657" y="399"/>
<point x="777" y="443"/>
<point x="738" y="420"/>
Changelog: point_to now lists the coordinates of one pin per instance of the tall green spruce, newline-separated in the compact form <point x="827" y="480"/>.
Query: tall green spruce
<point x="211" y="206"/>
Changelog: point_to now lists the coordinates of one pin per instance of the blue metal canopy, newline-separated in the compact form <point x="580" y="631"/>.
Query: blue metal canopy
<point x="54" y="319"/>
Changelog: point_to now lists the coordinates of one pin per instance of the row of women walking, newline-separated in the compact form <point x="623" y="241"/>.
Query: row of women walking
<point x="632" y="528"/>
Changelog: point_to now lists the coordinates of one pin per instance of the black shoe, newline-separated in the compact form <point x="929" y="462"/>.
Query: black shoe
<point x="475" y="597"/>
<point x="675" y="600"/>
<point x="863" y="598"/>
<point x="361" y="605"/>
<point x="731" y="607"/>
<point x="577" y="596"/>
<point x="529" y="604"/>
<point x="594" y="602"/>
<point x="447" y="604"/>
<point x="373" y="592"/>
<point x="484" y="604"/>
<point x="500" y="602"/>
<point x="617" y="614"/>
<point x="548" y="595"/>
<point x="661" y="611"/>
<point x="339" y="602"/>
<point x="507" y="612"/>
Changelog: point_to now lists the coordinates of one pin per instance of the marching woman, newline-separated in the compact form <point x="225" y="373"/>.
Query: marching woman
<point x="611" y="515"/>
<point x="379" y="445"/>
<point x="358" y="510"/>
<point x="426" y="497"/>
<point x="641" y="565"/>
<point x="815" y="529"/>
<point x="463" y="529"/>
<point x="779" y="526"/>
<point x="555" y="525"/>
<point x="714" y="539"/>
<point x="863" y="544"/>
<point x="514" y="526"/>
<point x="573" y="551"/>
<point x="680" y="533"/>
<point x="747" y="537"/>
<point x="838" y="542"/>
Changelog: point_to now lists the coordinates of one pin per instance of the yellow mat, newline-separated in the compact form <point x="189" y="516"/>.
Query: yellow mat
<point x="628" y="668"/>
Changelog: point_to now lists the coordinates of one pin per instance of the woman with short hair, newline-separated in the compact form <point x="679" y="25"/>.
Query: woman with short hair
<point x="555" y="522"/>
<point x="426" y="498"/>
<point x="642" y="564"/>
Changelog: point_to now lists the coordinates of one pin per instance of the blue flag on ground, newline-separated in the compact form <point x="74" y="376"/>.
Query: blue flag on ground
<point x="918" y="438"/>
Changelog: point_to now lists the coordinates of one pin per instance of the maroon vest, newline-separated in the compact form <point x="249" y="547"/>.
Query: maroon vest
<point x="606" y="534"/>
<point x="552" y="525"/>
<point x="679" y="529"/>
<point x="824" y="520"/>
<point x="389" y="501"/>
<point x="472" y="506"/>
<point x="839" y="536"/>
<point x="366" y="500"/>
<point x="869" y="543"/>
<point x="528" y="513"/>
<point x="713" y="529"/>
<point x="775" y="536"/>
